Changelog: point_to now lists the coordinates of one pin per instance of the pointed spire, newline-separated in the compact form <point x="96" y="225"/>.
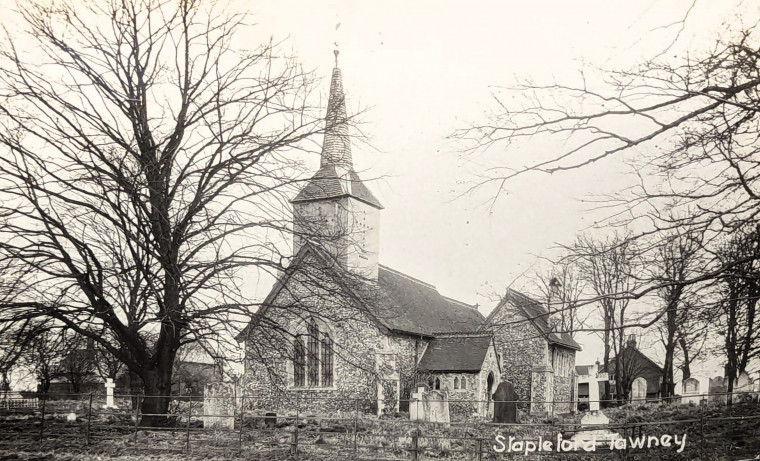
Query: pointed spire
<point x="336" y="148"/>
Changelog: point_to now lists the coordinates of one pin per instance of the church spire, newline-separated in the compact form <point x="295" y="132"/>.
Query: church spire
<point x="336" y="148"/>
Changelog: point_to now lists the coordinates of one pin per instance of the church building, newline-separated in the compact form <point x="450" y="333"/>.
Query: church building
<point x="340" y="330"/>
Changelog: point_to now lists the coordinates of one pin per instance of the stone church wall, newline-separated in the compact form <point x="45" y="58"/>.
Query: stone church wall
<point x="268" y="382"/>
<point x="521" y="348"/>
<point x="563" y="380"/>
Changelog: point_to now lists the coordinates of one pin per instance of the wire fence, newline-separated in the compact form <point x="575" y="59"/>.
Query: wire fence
<point x="655" y="431"/>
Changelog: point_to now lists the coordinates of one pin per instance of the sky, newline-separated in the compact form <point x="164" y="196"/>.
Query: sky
<point x="419" y="70"/>
<point x="423" y="69"/>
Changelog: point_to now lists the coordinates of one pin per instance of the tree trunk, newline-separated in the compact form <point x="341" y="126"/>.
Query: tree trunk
<point x="155" y="404"/>
<point x="685" y="366"/>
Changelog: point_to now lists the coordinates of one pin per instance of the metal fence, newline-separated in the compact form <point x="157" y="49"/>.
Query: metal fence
<point x="706" y="431"/>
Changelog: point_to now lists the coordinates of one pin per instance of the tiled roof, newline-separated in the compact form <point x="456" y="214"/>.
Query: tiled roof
<point x="397" y="302"/>
<point x="537" y="315"/>
<point x="583" y="370"/>
<point x="327" y="183"/>
<point x="412" y="306"/>
<point x="456" y="354"/>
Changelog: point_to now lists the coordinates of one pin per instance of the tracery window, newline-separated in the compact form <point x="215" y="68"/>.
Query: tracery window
<point x="313" y="362"/>
<point x="299" y="363"/>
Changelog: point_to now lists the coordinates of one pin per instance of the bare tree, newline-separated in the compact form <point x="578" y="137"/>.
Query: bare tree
<point x="146" y="161"/>
<point x="609" y="268"/>
<point x="690" y="121"/>
<point x="739" y="291"/>
<point x="676" y="259"/>
<point x="563" y="288"/>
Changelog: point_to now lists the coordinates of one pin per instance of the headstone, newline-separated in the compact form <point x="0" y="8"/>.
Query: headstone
<point x="718" y="389"/>
<point x="505" y="403"/>
<point x="595" y="422"/>
<point x="692" y="391"/>
<point x="639" y="391"/>
<point x="110" y="385"/>
<point x="416" y="407"/>
<point x="271" y="420"/>
<point x="435" y="407"/>
<point x="219" y="406"/>
<point x="593" y="379"/>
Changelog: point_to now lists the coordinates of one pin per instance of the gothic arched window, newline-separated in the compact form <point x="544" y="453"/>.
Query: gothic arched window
<point x="437" y="384"/>
<point x="313" y="357"/>
<point x="327" y="360"/>
<point x="464" y="383"/>
<point x="299" y="362"/>
<point x="313" y="363"/>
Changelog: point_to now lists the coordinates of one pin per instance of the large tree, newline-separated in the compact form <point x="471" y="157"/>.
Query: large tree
<point x="145" y="161"/>
<point x="737" y="316"/>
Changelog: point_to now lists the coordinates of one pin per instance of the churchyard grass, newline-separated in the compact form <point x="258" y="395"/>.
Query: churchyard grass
<point x="715" y="432"/>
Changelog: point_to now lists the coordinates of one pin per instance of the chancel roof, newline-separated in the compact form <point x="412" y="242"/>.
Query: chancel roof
<point x="464" y="354"/>
<point x="412" y="306"/>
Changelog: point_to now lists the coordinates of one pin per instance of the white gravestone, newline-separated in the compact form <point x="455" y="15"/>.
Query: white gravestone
<point x="639" y="391"/>
<point x="435" y="407"/>
<point x="416" y="408"/>
<point x="595" y="423"/>
<point x="110" y="385"/>
<point x="219" y="405"/>
<point x="692" y="391"/>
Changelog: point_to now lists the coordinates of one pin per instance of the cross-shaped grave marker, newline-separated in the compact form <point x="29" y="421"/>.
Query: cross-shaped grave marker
<point x="593" y="379"/>
<point x="110" y="385"/>
<point x="416" y="408"/>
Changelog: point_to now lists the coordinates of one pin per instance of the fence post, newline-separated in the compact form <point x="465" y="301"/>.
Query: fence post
<point x="413" y="449"/>
<point x="42" y="422"/>
<point x="356" y="421"/>
<point x="242" y="421"/>
<point x="187" y="425"/>
<point x="702" y="431"/>
<point x="137" y="417"/>
<point x="294" y="443"/>
<point x="89" y="419"/>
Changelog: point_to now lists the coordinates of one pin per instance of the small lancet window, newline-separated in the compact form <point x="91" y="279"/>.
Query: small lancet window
<point x="464" y="383"/>
<point x="456" y="383"/>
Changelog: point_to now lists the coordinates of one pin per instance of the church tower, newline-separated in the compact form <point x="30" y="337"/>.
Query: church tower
<point x="335" y="210"/>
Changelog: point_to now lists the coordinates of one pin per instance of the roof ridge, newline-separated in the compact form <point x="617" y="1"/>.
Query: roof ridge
<point x="409" y="277"/>
<point x="471" y="306"/>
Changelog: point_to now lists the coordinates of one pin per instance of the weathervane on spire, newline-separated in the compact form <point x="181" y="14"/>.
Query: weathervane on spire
<point x="336" y="52"/>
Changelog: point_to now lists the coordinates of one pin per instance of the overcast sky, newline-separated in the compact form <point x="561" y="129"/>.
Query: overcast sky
<point x="424" y="69"/>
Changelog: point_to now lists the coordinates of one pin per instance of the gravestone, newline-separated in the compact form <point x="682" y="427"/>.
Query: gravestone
<point x="718" y="389"/>
<point x="416" y="408"/>
<point x="691" y="391"/>
<point x="110" y="385"/>
<point x="435" y="407"/>
<point x="595" y="423"/>
<point x="505" y="403"/>
<point x="639" y="391"/>
<point x="271" y="420"/>
<point x="219" y="406"/>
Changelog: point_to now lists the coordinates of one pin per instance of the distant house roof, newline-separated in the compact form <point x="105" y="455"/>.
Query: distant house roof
<point x="641" y="366"/>
<point x="398" y="302"/>
<point x="538" y="317"/>
<point x="583" y="370"/>
<point x="455" y="354"/>
<point x="327" y="183"/>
